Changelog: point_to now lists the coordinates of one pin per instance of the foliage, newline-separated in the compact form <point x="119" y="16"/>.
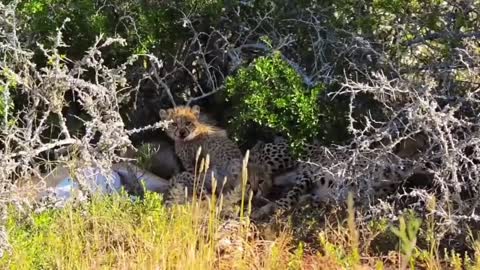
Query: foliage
<point x="416" y="73"/>
<point x="145" y="25"/>
<point x="326" y="39"/>
<point x="115" y="232"/>
<point x="112" y="232"/>
<point x="407" y="232"/>
<point x="272" y="95"/>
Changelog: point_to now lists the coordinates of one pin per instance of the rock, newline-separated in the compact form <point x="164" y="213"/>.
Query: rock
<point x="61" y="185"/>
<point x="133" y="177"/>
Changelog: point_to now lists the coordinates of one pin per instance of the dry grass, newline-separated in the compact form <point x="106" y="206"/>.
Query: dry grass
<point x="115" y="232"/>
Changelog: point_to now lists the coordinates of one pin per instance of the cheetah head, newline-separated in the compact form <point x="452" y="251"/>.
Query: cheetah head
<point x="185" y="124"/>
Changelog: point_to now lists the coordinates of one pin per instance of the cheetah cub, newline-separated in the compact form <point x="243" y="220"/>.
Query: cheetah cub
<point x="189" y="133"/>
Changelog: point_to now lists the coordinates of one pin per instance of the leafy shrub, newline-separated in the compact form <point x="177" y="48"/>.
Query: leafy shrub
<point x="272" y="95"/>
<point x="114" y="232"/>
<point x="146" y="25"/>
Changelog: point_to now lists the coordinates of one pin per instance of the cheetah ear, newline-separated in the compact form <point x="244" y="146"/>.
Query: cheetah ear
<point x="196" y="110"/>
<point x="164" y="114"/>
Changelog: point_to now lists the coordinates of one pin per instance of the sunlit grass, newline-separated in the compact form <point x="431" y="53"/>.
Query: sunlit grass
<point x="116" y="232"/>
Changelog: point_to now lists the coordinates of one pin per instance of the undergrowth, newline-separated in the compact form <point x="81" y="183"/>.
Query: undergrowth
<point x="116" y="232"/>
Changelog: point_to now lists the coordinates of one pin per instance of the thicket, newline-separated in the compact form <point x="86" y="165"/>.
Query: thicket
<point x="187" y="49"/>
<point x="359" y="73"/>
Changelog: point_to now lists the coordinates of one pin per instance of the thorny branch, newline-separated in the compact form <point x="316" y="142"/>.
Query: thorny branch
<point x="421" y="104"/>
<point x="29" y="133"/>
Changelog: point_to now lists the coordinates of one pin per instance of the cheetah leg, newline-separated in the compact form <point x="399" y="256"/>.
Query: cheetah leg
<point x="178" y="184"/>
<point x="235" y="175"/>
<point x="182" y="179"/>
<point x="226" y="177"/>
<point x="176" y="189"/>
<point x="303" y="184"/>
<point x="259" y="178"/>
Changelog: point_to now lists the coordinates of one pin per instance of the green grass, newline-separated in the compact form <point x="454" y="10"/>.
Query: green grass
<point x="105" y="232"/>
<point x="110" y="232"/>
<point x="115" y="232"/>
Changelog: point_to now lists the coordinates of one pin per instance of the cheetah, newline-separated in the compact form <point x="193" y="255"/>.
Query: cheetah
<point x="190" y="134"/>
<point x="322" y="178"/>
<point x="278" y="161"/>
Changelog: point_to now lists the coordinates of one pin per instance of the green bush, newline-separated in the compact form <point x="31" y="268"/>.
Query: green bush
<point x="146" y="25"/>
<point x="271" y="95"/>
<point x="114" y="232"/>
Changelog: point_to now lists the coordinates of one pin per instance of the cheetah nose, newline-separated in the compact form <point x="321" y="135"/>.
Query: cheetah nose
<point x="183" y="133"/>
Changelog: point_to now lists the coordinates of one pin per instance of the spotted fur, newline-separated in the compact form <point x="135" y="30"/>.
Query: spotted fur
<point x="322" y="178"/>
<point x="190" y="133"/>
<point x="278" y="161"/>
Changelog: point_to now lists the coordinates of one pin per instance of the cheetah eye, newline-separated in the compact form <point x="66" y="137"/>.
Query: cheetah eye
<point x="174" y="124"/>
<point x="188" y="123"/>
